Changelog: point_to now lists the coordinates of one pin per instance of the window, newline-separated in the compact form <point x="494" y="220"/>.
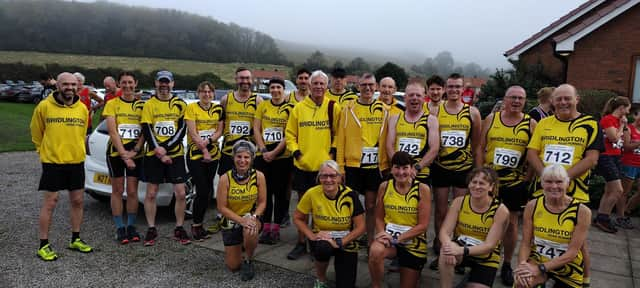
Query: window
<point x="636" y="79"/>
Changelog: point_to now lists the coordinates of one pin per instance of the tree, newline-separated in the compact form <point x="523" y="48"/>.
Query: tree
<point x="338" y="64"/>
<point x="394" y="71"/>
<point x="427" y="68"/>
<point x="444" y="62"/>
<point x="316" y="61"/>
<point x="358" y="66"/>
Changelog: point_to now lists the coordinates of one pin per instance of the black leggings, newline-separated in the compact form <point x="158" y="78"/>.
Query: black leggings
<point x="345" y="263"/>
<point x="202" y="174"/>
<point x="277" y="174"/>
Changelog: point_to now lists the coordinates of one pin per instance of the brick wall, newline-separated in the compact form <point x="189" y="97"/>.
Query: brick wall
<point x="601" y="60"/>
<point x="604" y="58"/>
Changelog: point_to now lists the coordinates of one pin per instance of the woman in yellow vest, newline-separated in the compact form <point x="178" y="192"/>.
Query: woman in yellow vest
<point x="477" y="222"/>
<point x="552" y="239"/>
<point x="269" y="124"/>
<point x="338" y="220"/>
<point x="123" y="155"/>
<point x="242" y="197"/>
<point x="401" y="217"/>
<point x="205" y="123"/>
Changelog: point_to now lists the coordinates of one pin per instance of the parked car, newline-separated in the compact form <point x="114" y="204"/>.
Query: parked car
<point x="21" y="92"/>
<point x="98" y="182"/>
<point x="30" y="94"/>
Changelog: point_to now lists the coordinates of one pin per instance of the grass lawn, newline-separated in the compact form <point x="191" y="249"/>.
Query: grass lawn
<point x="15" y="133"/>
<point x="15" y="120"/>
<point x="185" y="67"/>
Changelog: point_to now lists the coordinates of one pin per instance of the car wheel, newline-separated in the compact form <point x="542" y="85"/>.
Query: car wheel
<point x="100" y="198"/>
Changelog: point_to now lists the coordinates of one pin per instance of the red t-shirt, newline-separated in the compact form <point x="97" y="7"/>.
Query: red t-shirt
<point x="108" y="96"/>
<point x="632" y="157"/>
<point x="467" y="96"/>
<point x="86" y="99"/>
<point x="607" y="122"/>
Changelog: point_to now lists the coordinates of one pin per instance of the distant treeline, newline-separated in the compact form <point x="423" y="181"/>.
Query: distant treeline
<point x="19" y="71"/>
<point x="102" y="28"/>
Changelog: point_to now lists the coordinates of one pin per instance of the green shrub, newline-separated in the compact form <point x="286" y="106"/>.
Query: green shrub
<point x="592" y="101"/>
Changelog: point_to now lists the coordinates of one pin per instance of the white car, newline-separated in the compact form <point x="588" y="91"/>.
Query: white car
<point x="98" y="182"/>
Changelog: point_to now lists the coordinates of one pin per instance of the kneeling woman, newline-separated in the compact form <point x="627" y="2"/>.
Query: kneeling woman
<point x="477" y="222"/>
<point x="241" y="201"/>
<point x="402" y="217"/>
<point x="338" y="220"/>
<point x="551" y="240"/>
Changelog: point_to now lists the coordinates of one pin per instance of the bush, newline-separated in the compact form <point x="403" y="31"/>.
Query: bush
<point x="592" y="101"/>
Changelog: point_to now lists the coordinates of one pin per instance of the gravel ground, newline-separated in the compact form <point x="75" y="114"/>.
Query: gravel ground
<point x="111" y="265"/>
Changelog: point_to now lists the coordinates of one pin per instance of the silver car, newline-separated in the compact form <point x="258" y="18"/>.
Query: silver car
<point x="98" y="182"/>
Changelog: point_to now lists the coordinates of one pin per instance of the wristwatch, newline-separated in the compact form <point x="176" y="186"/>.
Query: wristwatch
<point x="417" y="166"/>
<point x="542" y="269"/>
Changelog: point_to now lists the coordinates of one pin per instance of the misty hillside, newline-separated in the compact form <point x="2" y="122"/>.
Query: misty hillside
<point x="103" y="28"/>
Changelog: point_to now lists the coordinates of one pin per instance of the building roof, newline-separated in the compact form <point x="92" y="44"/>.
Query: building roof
<point x="552" y="28"/>
<point x="268" y="74"/>
<point x="566" y="40"/>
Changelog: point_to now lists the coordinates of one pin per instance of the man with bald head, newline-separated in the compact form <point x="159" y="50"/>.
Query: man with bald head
<point x="571" y="139"/>
<point x="387" y="89"/>
<point x="505" y="135"/>
<point x="110" y="89"/>
<point x="58" y="127"/>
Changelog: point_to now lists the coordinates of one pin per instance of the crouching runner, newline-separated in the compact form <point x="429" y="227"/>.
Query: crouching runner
<point x="402" y="217"/>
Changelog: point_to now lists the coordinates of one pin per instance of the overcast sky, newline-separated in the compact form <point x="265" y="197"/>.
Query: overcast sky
<point x="473" y="30"/>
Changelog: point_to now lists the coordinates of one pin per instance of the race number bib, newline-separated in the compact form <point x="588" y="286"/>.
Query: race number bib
<point x="453" y="138"/>
<point x="469" y="241"/>
<point x="506" y="157"/>
<point x="395" y="230"/>
<point x="206" y="134"/>
<point x="165" y="128"/>
<point x="129" y="131"/>
<point x="550" y="249"/>
<point x="338" y="234"/>
<point x="558" y="154"/>
<point x="239" y="128"/>
<point x="369" y="155"/>
<point x="273" y="134"/>
<point x="409" y="145"/>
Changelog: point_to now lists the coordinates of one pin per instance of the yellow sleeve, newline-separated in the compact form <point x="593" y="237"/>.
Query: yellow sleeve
<point x="109" y="109"/>
<point x="336" y="115"/>
<point x="535" y="141"/>
<point x="291" y="134"/>
<point x="383" y="159"/>
<point x="340" y="140"/>
<point x="37" y="126"/>
<point x="304" y="205"/>
<point x="190" y="113"/>
<point x="147" y="115"/>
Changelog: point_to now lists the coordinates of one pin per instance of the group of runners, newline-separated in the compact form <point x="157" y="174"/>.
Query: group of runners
<point x="361" y="165"/>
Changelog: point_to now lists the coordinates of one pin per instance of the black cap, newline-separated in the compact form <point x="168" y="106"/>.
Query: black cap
<point x="276" y="81"/>
<point x="339" y="72"/>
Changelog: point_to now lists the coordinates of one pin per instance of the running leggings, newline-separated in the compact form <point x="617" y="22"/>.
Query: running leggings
<point x="202" y="174"/>
<point x="345" y="263"/>
<point x="277" y="174"/>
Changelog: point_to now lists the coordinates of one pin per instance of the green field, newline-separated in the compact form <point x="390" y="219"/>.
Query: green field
<point x="184" y="67"/>
<point x="16" y="117"/>
<point x="15" y="133"/>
